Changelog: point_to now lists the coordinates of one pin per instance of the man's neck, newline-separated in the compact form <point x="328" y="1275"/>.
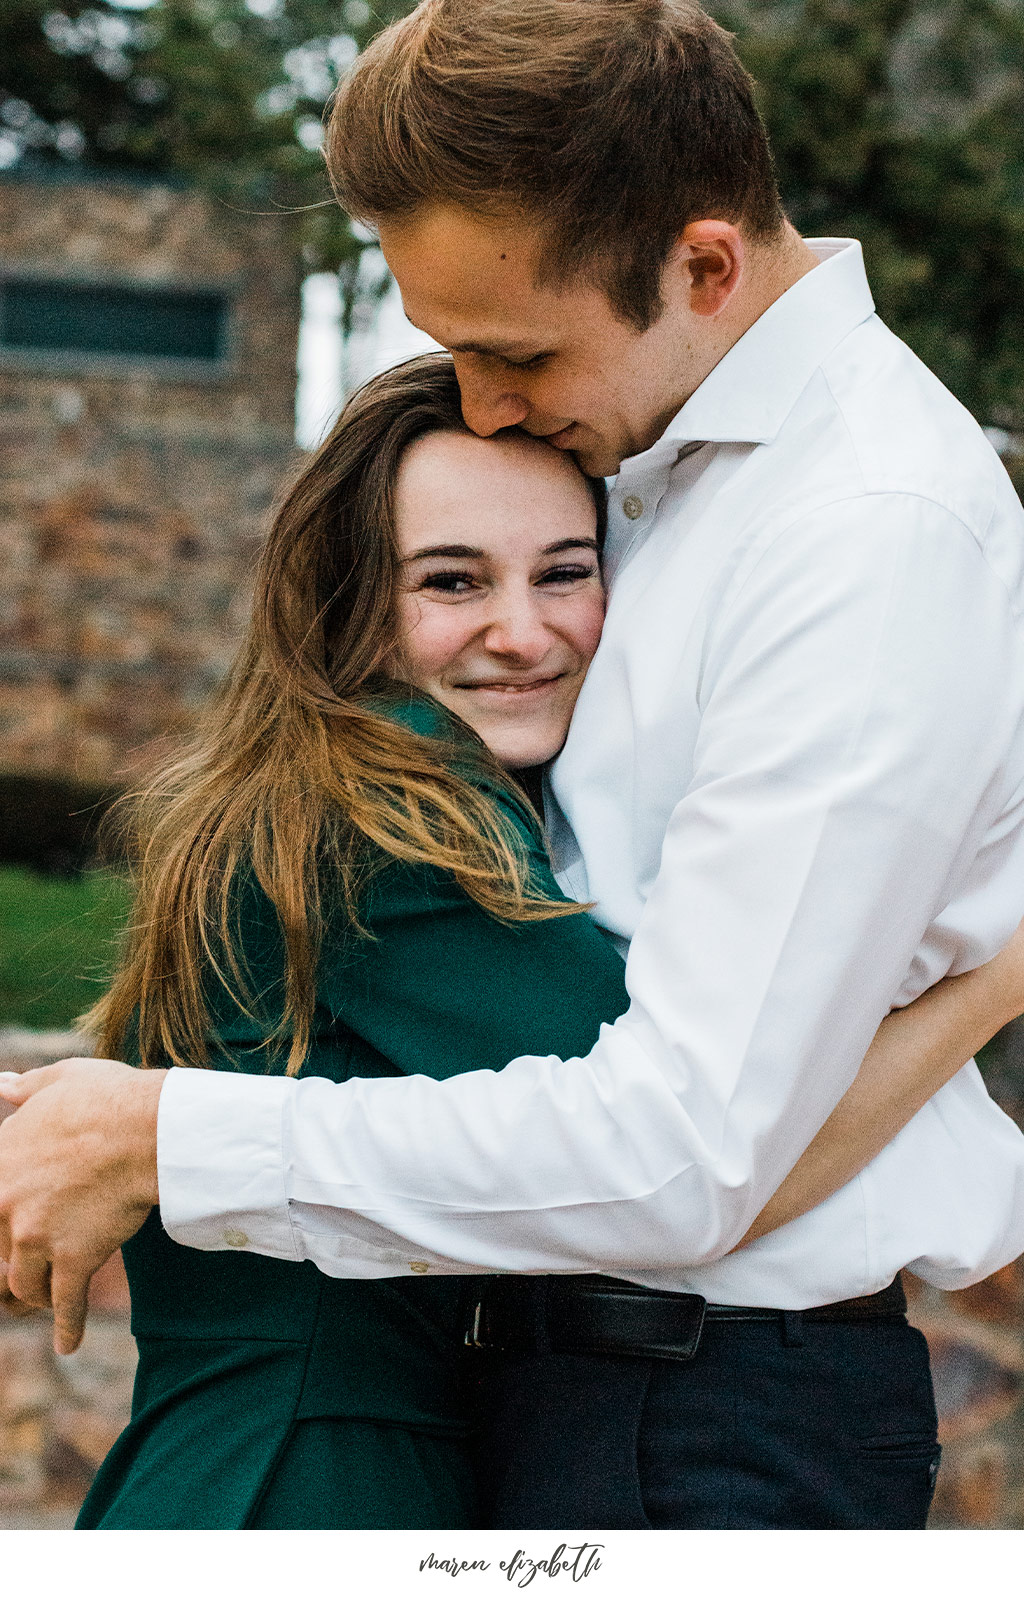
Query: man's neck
<point x="770" y="271"/>
<point x="776" y="269"/>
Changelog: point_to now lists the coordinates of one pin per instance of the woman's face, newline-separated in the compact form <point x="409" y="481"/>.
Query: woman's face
<point x="501" y="602"/>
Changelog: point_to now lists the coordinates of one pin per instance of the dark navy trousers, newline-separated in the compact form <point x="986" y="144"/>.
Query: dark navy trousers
<point x="781" y="1424"/>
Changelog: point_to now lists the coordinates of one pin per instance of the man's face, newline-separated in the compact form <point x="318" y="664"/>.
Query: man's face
<point x="558" y="362"/>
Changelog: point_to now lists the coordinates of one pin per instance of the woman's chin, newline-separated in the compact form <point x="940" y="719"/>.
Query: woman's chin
<point x="513" y="737"/>
<point x="517" y="754"/>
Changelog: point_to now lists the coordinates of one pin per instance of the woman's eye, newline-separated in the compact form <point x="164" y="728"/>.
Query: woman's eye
<point x="448" y="582"/>
<point x="568" y="574"/>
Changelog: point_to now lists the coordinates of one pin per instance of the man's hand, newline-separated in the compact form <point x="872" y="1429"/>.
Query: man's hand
<point x="77" y="1178"/>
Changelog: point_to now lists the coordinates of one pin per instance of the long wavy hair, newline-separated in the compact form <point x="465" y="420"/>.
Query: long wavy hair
<point x="297" y="775"/>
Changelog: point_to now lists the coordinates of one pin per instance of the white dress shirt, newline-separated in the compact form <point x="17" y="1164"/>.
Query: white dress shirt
<point x="794" y="787"/>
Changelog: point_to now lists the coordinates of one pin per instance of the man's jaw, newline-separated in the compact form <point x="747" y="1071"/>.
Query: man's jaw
<point x="562" y="438"/>
<point x="590" y="451"/>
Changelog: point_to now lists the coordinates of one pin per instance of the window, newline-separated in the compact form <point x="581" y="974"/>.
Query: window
<point x="50" y="318"/>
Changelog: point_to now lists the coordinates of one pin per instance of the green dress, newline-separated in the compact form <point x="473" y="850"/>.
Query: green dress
<point x="269" y="1395"/>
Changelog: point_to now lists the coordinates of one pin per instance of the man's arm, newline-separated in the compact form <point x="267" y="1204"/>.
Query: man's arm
<point x="854" y="725"/>
<point x="912" y="1056"/>
<point x="914" y="1053"/>
<point x="855" y="722"/>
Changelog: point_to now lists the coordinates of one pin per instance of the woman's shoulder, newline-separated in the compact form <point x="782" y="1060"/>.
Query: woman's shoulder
<point x="467" y="755"/>
<point x="421" y="713"/>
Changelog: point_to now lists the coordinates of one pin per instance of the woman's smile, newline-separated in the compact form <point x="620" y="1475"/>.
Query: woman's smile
<point x="534" y="686"/>
<point x="501" y="604"/>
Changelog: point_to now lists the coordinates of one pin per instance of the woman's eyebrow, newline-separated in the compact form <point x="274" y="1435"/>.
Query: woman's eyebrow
<point x="468" y="552"/>
<point x="569" y="544"/>
<point x="461" y="551"/>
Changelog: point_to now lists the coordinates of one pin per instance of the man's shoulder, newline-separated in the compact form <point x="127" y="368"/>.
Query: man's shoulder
<point x="875" y="450"/>
<point x="891" y="427"/>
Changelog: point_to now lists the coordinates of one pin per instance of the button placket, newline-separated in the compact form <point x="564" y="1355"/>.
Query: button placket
<point x="632" y="512"/>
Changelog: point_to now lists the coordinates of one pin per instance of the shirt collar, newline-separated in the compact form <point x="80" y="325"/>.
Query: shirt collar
<point x="755" y="386"/>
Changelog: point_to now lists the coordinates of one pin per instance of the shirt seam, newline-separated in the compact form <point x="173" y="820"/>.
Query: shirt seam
<point x="840" y="412"/>
<point x="879" y="494"/>
<point x="978" y="538"/>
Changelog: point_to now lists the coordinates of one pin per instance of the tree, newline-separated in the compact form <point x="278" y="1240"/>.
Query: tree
<point x="228" y="93"/>
<point x="901" y="123"/>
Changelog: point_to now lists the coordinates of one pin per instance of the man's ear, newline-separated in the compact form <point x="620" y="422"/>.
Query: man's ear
<point x="710" y="257"/>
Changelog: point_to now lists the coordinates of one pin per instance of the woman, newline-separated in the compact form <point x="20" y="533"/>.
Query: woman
<point x="342" y="878"/>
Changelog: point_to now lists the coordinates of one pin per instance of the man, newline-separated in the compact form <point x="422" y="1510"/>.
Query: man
<point x="794" y="787"/>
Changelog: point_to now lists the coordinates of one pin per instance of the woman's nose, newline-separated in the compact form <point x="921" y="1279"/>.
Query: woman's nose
<point x="517" y="629"/>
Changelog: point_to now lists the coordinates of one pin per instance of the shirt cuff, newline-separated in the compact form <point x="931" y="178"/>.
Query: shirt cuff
<point x="221" y="1164"/>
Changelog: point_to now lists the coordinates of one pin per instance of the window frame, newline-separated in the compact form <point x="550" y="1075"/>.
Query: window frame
<point x="122" y="364"/>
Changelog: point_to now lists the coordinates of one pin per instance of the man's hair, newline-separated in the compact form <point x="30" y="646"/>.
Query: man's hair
<point x="611" y="124"/>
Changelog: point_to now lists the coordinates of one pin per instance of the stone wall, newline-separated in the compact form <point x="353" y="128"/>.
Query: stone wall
<point x="59" y="1415"/>
<point x="131" y="494"/>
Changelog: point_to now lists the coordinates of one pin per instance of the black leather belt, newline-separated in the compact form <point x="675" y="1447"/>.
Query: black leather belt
<point x="607" y="1316"/>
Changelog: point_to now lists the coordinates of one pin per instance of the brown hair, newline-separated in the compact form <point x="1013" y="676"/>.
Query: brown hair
<point x="610" y="123"/>
<point x="298" y="768"/>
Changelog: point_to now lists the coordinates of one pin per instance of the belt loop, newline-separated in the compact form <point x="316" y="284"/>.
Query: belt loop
<point x="540" y="1299"/>
<point x="792" y="1329"/>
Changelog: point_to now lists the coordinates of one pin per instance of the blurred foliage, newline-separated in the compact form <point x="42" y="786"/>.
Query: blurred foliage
<point x="226" y="93"/>
<point x="58" y="943"/>
<point x="900" y="122"/>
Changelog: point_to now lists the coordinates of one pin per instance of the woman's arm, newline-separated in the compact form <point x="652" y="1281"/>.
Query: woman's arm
<point x="915" y="1051"/>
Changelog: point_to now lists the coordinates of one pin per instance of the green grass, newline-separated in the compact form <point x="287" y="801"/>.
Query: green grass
<point x="57" y="943"/>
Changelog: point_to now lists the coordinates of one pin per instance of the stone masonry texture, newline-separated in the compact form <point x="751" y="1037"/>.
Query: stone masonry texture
<point x="132" y="497"/>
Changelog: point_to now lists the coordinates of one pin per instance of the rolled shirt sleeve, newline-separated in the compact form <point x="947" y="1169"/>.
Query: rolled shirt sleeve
<point x="850" y="761"/>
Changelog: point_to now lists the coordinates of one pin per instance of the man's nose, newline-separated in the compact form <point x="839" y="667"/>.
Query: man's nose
<point x="487" y="404"/>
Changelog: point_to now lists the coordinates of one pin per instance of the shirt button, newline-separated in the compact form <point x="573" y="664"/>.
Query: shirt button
<point x="633" y="506"/>
<point x="236" y="1238"/>
<point x="419" y="1266"/>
